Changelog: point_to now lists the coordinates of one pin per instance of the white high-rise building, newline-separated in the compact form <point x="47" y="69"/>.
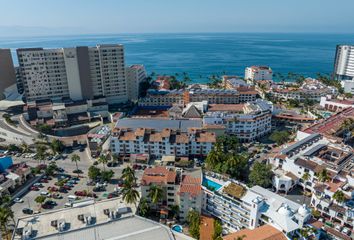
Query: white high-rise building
<point x="78" y="73"/>
<point x="135" y="74"/>
<point x="257" y="73"/>
<point x="344" y="62"/>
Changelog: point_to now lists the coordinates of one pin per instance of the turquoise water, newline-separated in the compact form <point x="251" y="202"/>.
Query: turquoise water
<point x="209" y="183"/>
<point x="204" y="54"/>
<point x="177" y="228"/>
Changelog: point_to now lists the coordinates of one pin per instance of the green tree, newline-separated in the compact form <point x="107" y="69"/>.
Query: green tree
<point x="40" y="200"/>
<point x="280" y="137"/>
<point x="103" y="160"/>
<point x="41" y="153"/>
<point x="50" y="170"/>
<point x="144" y="207"/>
<point x="107" y="175"/>
<point x="24" y="147"/>
<point x="76" y="158"/>
<point x="94" y="172"/>
<point x="323" y="176"/>
<point x="217" y="230"/>
<point x="174" y="209"/>
<point x="128" y="174"/>
<point x="339" y="196"/>
<point x="56" y="146"/>
<point x="193" y="219"/>
<point x="6" y="215"/>
<point x="261" y="174"/>
<point x="155" y="194"/>
<point x="130" y="194"/>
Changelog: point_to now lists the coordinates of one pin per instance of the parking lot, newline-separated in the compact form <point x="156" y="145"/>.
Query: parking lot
<point x="61" y="197"/>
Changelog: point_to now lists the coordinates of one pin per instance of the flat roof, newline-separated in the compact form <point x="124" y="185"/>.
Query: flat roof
<point x="127" y="226"/>
<point x="158" y="124"/>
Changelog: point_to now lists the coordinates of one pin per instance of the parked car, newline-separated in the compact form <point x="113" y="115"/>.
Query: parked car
<point x="63" y="190"/>
<point x="80" y="193"/>
<point x="44" y="193"/>
<point x="346" y="231"/>
<point x="33" y="188"/>
<point x="57" y="196"/>
<point x="53" y="189"/>
<point x="18" y="200"/>
<point x="51" y="202"/>
<point x="27" y="211"/>
<point x="38" y="185"/>
<point x="112" y="195"/>
<point x="99" y="189"/>
<point x="43" y="180"/>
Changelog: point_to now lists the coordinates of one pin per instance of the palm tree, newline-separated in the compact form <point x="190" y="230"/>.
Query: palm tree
<point x="76" y="158"/>
<point x="130" y="194"/>
<point x="6" y="215"/>
<point x="144" y="207"/>
<point x="103" y="159"/>
<point x="24" y="147"/>
<point x="240" y="237"/>
<point x="323" y="176"/>
<point x="339" y="196"/>
<point x="128" y="174"/>
<point x="56" y="146"/>
<point x="155" y="194"/>
<point x="41" y="152"/>
<point x="305" y="178"/>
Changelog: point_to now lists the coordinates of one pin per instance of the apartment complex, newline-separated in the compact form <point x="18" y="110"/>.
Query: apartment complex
<point x="135" y="75"/>
<point x="179" y="188"/>
<point x="336" y="105"/>
<point x="157" y="143"/>
<point x="311" y="89"/>
<point x="77" y="73"/>
<point x="247" y="121"/>
<point x="238" y="206"/>
<point x="344" y="62"/>
<point x="7" y="70"/>
<point x="258" y="73"/>
<point x="182" y="97"/>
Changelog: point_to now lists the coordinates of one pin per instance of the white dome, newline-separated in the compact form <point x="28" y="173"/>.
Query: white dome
<point x="303" y="211"/>
<point x="285" y="210"/>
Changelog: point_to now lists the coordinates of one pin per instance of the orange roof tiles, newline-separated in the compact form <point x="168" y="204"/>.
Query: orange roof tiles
<point x="158" y="175"/>
<point x="265" y="232"/>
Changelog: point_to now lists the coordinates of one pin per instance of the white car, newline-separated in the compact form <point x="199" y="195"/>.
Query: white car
<point x="44" y="193"/>
<point x="18" y="200"/>
<point x="346" y="231"/>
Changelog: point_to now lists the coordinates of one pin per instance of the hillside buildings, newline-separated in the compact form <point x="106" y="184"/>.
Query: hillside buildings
<point x="257" y="73"/>
<point x="344" y="62"/>
<point x="78" y="73"/>
<point x="7" y="71"/>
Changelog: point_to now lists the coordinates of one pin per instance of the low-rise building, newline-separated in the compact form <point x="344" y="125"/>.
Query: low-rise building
<point x="65" y="112"/>
<point x="238" y="207"/>
<point x="183" y="97"/>
<point x="96" y="138"/>
<point x="332" y="127"/>
<point x="90" y="220"/>
<point x="335" y="105"/>
<point x="161" y="140"/>
<point x="312" y="154"/>
<point x="257" y="73"/>
<point x="13" y="176"/>
<point x="311" y="89"/>
<point x="179" y="188"/>
<point x="247" y="121"/>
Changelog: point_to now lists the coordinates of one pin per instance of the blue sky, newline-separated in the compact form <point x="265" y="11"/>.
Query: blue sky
<point x="49" y="17"/>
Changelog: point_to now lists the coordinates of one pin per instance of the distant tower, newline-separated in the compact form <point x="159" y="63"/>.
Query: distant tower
<point x="344" y="62"/>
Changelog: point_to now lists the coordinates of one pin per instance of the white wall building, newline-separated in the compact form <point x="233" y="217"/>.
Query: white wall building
<point x="344" y="62"/>
<point x="348" y="86"/>
<point x="247" y="121"/>
<point x="240" y="207"/>
<point x="78" y="73"/>
<point x="335" y="105"/>
<point x="257" y="73"/>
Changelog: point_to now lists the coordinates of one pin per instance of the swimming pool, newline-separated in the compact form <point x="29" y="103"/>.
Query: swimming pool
<point x="211" y="184"/>
<point x="177" y="228"/>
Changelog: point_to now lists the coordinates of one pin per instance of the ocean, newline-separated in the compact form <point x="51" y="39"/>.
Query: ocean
<point x="204" y="54"/>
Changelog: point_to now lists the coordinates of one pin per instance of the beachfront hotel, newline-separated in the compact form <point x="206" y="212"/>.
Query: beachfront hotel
<point x="238" y="207"/>
<point x="77" y="73"/>
<point x="258" y="73"/>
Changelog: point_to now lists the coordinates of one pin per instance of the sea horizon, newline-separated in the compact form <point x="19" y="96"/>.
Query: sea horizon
<point x="201" y="55"/>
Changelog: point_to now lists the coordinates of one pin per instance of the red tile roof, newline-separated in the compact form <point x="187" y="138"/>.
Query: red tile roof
<point x="158" y="175"/>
